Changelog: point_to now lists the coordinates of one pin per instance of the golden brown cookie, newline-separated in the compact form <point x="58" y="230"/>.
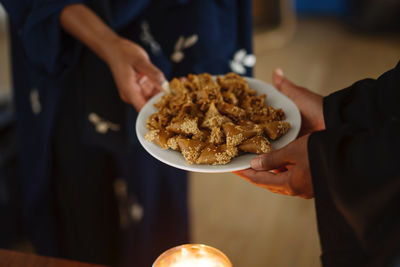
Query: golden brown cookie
<point x="236" y="134"/>
<point x="216" y="155"/>
<point x="186" y="126"/>
<point x="257" y="145"/>
<point x="190" y="149"/>
<point x="159" y="137"/>
<point x="276" y="129"/>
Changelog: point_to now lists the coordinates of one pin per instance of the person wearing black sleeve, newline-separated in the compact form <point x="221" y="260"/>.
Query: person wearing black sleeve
<point x="347" y="158"/>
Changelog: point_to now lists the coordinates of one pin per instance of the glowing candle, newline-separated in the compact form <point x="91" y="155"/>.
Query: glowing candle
<point x="192" y="255"/>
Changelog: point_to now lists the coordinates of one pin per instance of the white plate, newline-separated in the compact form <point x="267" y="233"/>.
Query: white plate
<point x="175" y="159"/>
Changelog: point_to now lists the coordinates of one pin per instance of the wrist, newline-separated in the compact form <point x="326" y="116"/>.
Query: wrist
<point x="108" y="49"/>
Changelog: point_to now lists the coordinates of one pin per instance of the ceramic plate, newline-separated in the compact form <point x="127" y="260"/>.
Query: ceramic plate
<point x="175" y="159"/>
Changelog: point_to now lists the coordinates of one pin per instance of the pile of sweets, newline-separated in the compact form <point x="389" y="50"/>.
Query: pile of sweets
<point x="212" y="121"/>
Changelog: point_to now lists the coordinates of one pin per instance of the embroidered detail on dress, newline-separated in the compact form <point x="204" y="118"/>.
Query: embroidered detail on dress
<point x="241" y="60"/>
<point x="35" y="101"/>
<point x="181" y="44"/>
<point x="121" y="193"/>
<point x="136" y="212"/>
<point x="147" y="38"/>
<point x="101" y="125"/>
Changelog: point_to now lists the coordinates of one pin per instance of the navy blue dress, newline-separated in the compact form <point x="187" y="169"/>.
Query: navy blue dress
<point x="71" y="164"/>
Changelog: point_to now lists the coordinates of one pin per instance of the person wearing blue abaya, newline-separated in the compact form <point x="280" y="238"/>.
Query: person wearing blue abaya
<point x="82" y="69"/>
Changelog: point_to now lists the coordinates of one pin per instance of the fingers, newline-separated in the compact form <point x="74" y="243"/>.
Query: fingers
<point x="284" y="85"/>
<point x="135" y="97"/>
<point x="146" y="68"/>
<point x="129" y="89"/>
<point x="298" y="94"/>
<point x="282" y="169"/>
<point x="266" y="179"/>
<point x="276" y="183"/>
<point x="147" y="86"/>
<point x="135" y="89"/>
<point x="308" y="102"/>
<point x="274" y="160"/>
<point x="277" y="78"/>
<point x="136" y="77"/>
<point x="155" y="78"/>
<point x="259" y="177"/>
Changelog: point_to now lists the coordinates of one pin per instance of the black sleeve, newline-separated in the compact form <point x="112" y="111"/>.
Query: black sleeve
<point x="355" y="166"/>
<point x="339" y="244"/>
<point x="366" y="103"/>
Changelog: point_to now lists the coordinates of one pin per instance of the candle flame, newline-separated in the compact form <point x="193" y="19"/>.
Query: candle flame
<point x="198" y="259"/>
<point x="192" y="255"/>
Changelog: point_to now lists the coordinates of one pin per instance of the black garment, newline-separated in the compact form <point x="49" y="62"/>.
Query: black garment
<point x="356" y="173"/>
<point x="374" y="16"/>
<point x="10" y="191"/>
<point x="87" y="213"/>
<point x="84" y="201"/>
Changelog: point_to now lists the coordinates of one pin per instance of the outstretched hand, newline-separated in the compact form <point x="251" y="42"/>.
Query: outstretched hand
<point x="309" y="103"/>
<point x="287" y="170"/>
<point x="137" y="79"/>
<point x="294" y="179"/>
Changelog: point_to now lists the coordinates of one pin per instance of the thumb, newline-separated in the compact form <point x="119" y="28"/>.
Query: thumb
<point x="284" y="85"/>
<point x="274" y="160"/>
<point x="146" y="68"/>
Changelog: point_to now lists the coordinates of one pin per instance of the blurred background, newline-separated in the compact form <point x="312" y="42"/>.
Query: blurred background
<point x="322" y="45"/>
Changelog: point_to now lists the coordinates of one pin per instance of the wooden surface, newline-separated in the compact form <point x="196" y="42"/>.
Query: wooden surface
<point x="10" y="258"/>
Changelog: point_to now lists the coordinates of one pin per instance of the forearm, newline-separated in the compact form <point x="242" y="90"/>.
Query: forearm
<point x="82" y="23"/>
<point x="127" y="61"/>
